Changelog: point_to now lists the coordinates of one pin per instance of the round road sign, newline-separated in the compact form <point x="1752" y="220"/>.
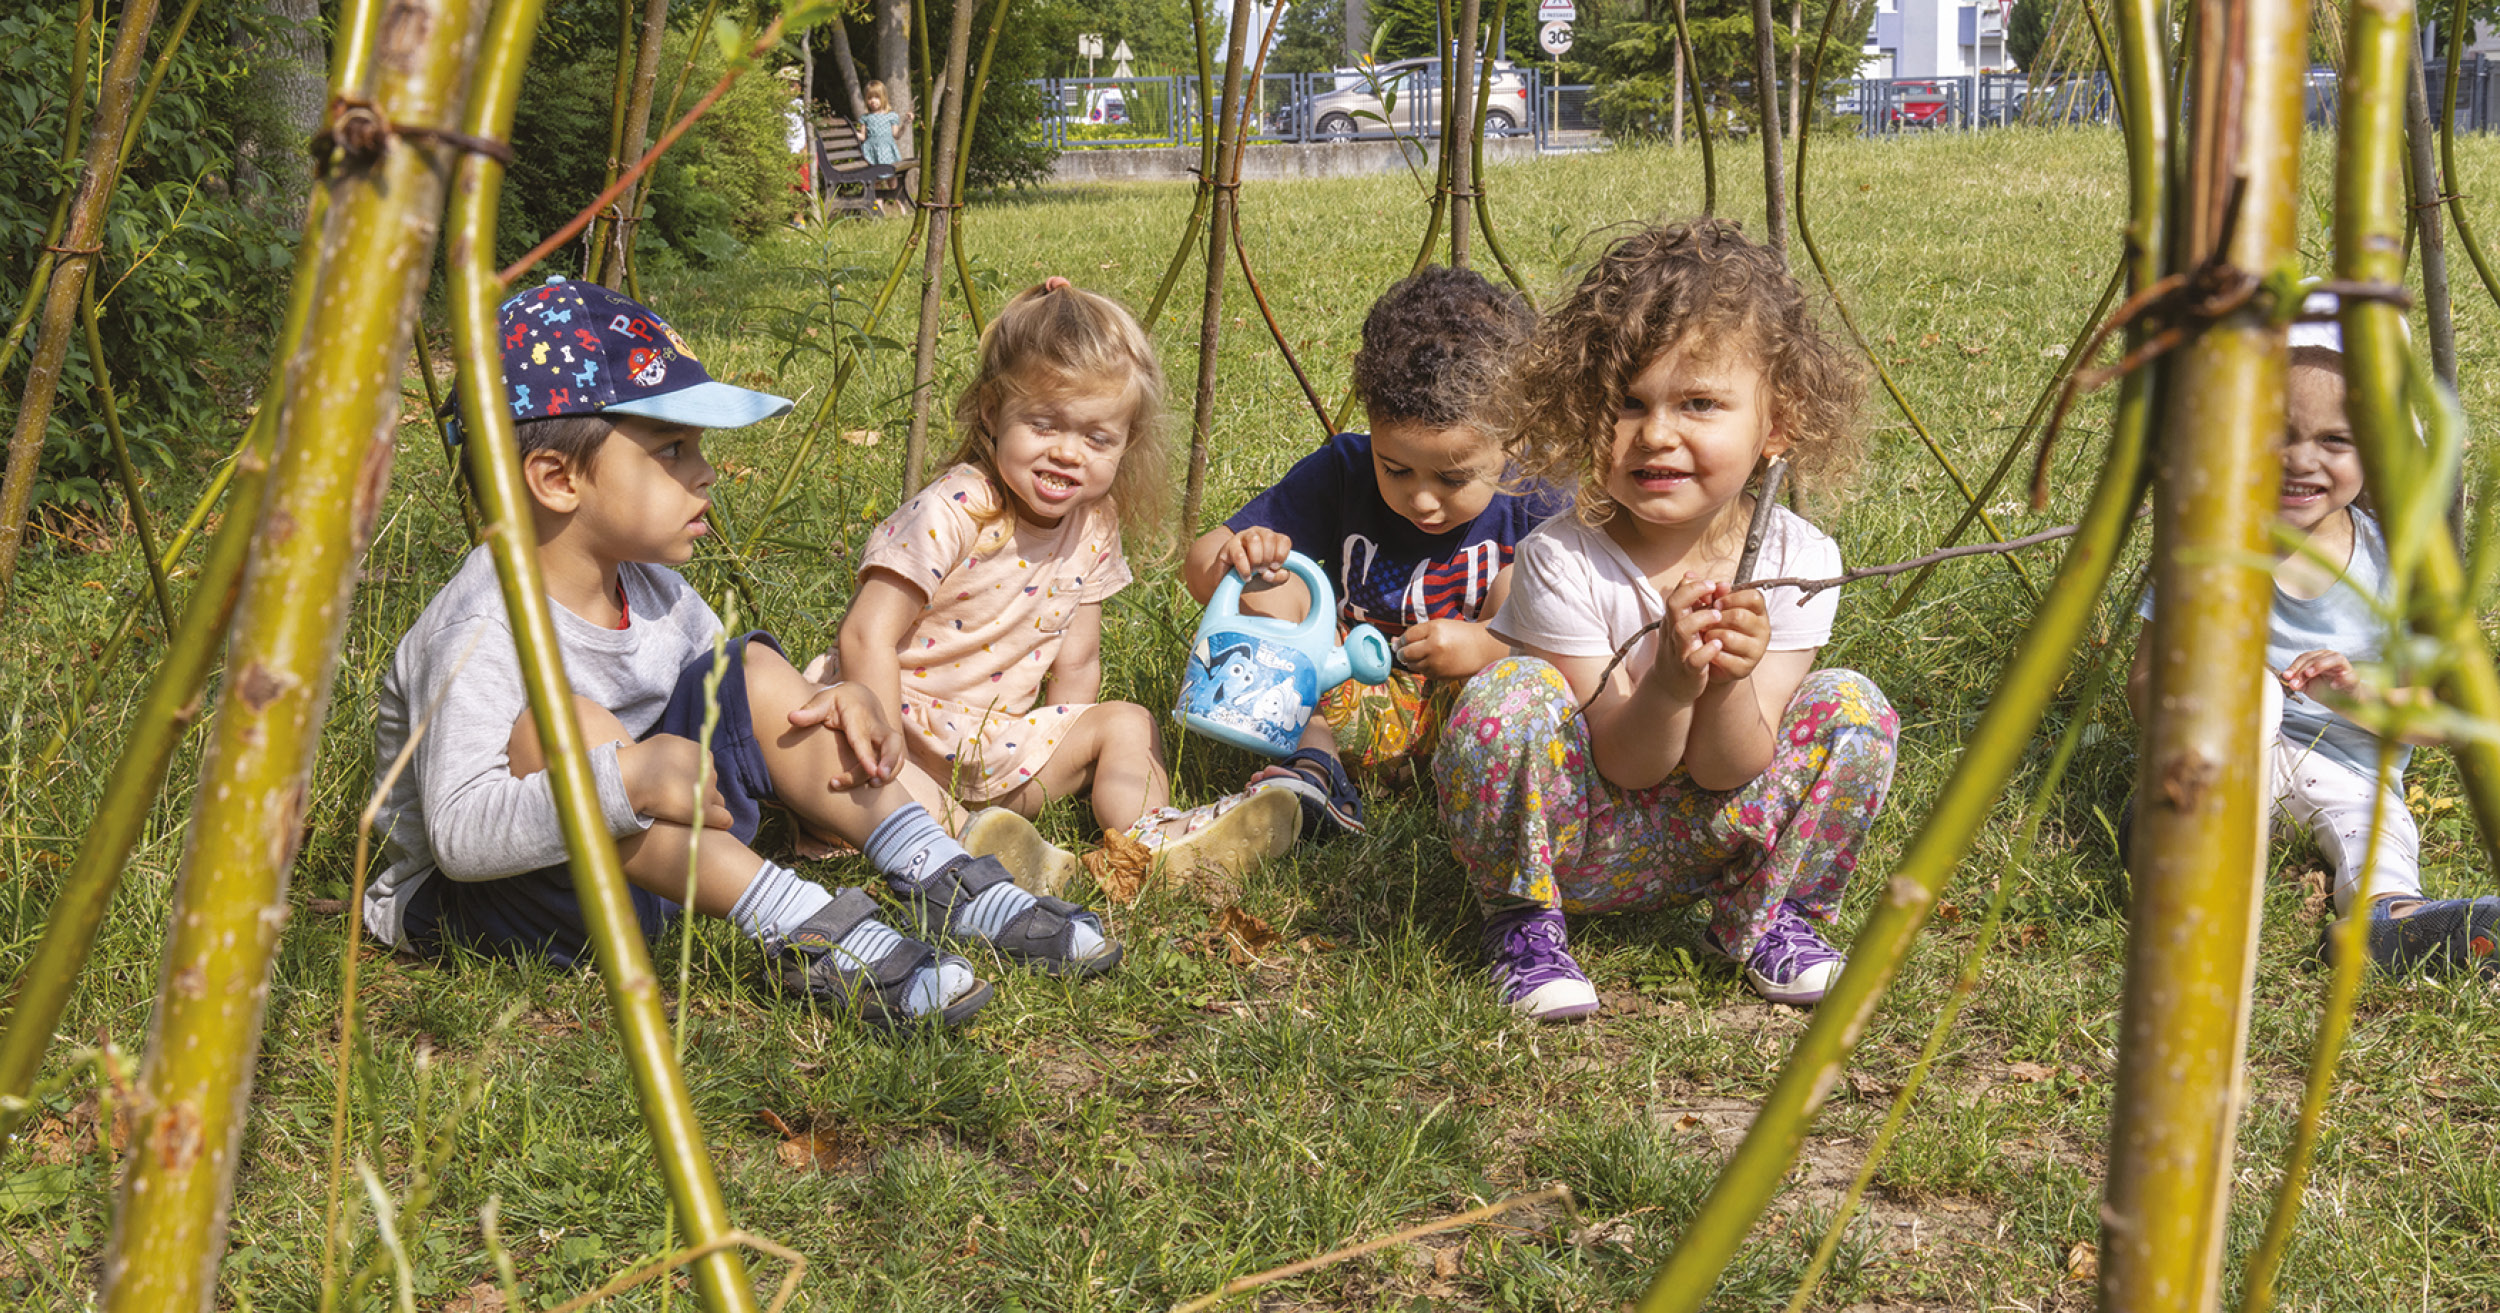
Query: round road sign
<point x="1555" y="39"/>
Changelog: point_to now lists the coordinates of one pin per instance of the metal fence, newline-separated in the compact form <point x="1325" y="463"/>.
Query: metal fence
<point x="1120" y="113"/>
<point x="1125" y="113"/>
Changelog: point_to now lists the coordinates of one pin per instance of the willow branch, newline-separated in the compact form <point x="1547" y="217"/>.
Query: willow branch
<point x="83" y="238"/>
<point x="599" y="885"/>
<point x="2458" y="21"/>
<point x="123" y="469"/>
<point x="333" y="443"/>
<point x="1840" y="302"/>
<point x="1809" y="587"/>
<point x="1206" y="169"/>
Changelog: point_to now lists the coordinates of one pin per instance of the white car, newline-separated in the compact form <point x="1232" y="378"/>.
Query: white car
<point x="1353" y="110"/>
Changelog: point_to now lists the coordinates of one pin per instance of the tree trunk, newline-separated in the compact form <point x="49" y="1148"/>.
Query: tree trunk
<point x="1462" y="119"/>
<point x="1676" y="135"/>
<point x="2199" y="842"/>
<point x="1796" y="55"/>
<point x="84" y="237"/>
<point x="843" y="64"/>
<point x="613" y="266"/>
<point x="289" y="78"/>
<point x="332" y="471"/>
<point x="893" y="38"/>
<point x="1219" y="232"/>
<point x="939" y="184"/>
<point x="1767" y="98"/>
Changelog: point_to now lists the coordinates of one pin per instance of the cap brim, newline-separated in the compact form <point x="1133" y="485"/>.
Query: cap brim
<point x="707" y="405"/>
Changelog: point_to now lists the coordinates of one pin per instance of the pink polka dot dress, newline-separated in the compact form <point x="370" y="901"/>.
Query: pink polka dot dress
<point x="1000" y="596"/>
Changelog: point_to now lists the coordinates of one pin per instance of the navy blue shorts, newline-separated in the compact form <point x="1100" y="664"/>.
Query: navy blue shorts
<point x="536" y="915"/>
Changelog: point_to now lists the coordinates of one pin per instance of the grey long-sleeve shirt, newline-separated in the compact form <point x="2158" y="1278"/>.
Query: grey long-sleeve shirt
<point x="457" y="809"/>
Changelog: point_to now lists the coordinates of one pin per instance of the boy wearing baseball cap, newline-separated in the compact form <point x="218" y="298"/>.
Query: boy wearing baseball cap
<point x="612" y="408"/>
<point x="2322" y="767"/>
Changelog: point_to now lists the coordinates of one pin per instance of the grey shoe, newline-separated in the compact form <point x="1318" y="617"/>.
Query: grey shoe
<point x="810" y="962"/>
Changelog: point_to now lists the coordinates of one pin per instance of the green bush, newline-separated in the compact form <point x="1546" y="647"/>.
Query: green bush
<point x="725" y="183"/>
<point x="193" y="276"/>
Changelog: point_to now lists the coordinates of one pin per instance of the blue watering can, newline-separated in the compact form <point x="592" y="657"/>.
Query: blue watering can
<point x="1253" y="681"/>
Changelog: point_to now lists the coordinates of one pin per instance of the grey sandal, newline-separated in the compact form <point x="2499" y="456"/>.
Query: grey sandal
<point x="810" y="963"/>
<point x="1042" y="936"/>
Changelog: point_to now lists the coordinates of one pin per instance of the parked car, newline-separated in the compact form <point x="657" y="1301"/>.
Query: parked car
<point x="1353" y="110"/>
<point x="1921" y="105"/>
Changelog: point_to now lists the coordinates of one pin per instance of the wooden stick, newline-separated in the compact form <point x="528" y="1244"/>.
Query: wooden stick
<point x="1764" y="503"/>
<point x="1809" y="587"/>
<point x="1238" y="1285"/>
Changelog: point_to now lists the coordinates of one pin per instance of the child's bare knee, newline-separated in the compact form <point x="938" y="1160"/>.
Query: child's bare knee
<point x="1128" y="727"/>
<point x="599" y="725"/>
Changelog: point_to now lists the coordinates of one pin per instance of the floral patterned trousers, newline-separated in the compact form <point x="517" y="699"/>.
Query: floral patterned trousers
<point x="1535" y="823"/>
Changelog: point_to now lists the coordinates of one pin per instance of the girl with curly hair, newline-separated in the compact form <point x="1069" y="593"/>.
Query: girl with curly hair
<point x="1716" y="762"/>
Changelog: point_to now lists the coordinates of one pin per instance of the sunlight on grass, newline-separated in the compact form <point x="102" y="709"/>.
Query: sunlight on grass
<point x="1141" y="1139"/>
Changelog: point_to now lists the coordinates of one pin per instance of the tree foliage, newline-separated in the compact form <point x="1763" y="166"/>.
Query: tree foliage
<point x="192" y="270"/>
<point x="1629" y="60"/>
<point x="1310" y="39"/>
<point x="2026" y="30"/>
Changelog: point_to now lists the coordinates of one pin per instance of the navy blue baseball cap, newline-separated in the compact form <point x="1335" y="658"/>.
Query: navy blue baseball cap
<point x="574" y="348"/>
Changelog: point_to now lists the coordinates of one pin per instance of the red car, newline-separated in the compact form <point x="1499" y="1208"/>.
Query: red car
<point x="1921" y="105"/>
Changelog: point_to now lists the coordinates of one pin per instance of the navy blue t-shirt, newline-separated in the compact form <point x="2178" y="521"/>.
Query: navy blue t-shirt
<point x="1387" y="572"/>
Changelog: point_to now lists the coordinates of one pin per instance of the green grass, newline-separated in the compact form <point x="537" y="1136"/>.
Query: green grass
<point x="1139" y="1140"/>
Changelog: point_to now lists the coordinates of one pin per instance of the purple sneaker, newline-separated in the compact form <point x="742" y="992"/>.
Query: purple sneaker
<point x="1790" y="963"/>
<point x="1532" y="965"/>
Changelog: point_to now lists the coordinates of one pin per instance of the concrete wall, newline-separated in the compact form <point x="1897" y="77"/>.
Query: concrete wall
<point x="1269" y="162"/>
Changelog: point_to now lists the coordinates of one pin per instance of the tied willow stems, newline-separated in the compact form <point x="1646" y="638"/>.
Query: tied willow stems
<point x="1211" y="309"/>
<point x="333" y="443"/>
<point x="1685" y="1281"/>
<point x="2369" y="226"/>
<point x="172" y="701"/>
<point x="2202" y="778"/>
<point x="625" y="970"/>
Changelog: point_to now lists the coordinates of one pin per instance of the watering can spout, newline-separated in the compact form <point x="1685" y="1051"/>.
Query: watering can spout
<point x="1253" y="681"/>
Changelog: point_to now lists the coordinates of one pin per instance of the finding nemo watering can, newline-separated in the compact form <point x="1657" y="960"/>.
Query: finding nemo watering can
<point x="1253" y="681"/>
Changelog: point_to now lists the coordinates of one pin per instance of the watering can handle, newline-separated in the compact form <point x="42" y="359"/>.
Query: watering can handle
<point x="1319" y="624"/>
<point x="1322" y="618"/>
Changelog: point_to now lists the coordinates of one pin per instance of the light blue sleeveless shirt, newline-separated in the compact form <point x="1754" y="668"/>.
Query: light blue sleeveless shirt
<point x="2337" y="620"/>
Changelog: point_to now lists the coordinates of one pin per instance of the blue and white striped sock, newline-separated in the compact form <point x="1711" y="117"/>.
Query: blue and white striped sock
<point x="777" y="902"/>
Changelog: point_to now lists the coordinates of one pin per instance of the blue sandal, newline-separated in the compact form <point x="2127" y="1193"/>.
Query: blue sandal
<point x="1331" y="806"/>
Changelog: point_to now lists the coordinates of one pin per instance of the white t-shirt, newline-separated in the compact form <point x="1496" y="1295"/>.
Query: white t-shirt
<point x="1574" y="593"/>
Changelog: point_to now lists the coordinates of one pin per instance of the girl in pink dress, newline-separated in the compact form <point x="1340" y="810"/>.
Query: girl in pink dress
<point x="978" y="618"/>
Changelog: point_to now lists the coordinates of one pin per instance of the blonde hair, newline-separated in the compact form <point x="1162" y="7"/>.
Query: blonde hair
<point x="874" y="94"/>
<point x="1056" y="338"/>
<point x="1702" y="282"/>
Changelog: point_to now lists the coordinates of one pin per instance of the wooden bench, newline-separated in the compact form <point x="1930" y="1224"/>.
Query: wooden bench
<point x="848" y="182"/>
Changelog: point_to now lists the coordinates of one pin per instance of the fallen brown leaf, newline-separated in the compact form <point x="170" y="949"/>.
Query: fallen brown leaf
<point x="1245" y="938"/>
<point x="2316" y="894"/>
<point x="862" y="437"/>
<point x="2029" y="1072"/>
<point x="1120" y="866"/>
<point x="2083" y="1262"/>
<point x="484" y="1297"/>
<point x="822" y="1148"/>
<point x="326" y="906"/>
<point x="1948" y="913"/>
<point x="1445" y="1263"/>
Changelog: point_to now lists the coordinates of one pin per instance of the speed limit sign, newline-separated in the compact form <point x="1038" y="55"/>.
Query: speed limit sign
<point x="1555" y="39"/>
